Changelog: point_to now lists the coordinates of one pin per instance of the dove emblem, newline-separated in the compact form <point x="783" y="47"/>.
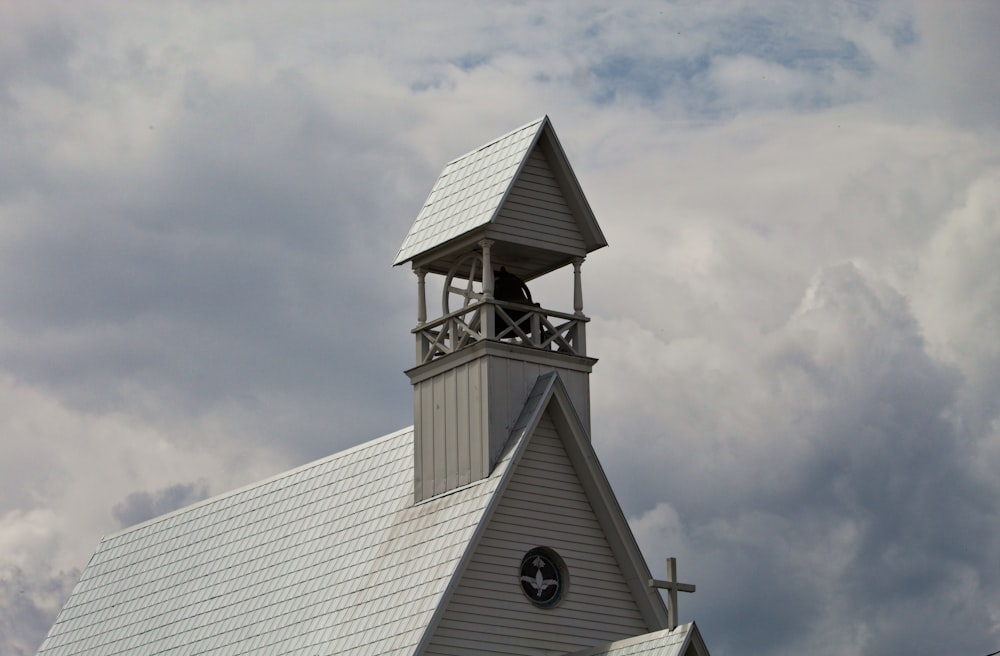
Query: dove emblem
<point x="541" y="577"/>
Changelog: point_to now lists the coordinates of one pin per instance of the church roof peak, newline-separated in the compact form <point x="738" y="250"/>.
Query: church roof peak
<point x="472" y="189"/>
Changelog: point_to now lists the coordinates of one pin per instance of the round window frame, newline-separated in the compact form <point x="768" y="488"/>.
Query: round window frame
<point x="560" y="566"/>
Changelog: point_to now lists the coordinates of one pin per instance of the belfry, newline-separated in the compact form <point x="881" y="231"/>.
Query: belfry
<point x="488" y="527"/>
<point x="498" y="217"/>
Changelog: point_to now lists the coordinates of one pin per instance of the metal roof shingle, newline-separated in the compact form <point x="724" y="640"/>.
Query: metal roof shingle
<point x="332" y="554"/>
<point x="468" y="192"/>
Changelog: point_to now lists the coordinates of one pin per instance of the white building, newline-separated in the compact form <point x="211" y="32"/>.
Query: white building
<point x="487" y="528"/>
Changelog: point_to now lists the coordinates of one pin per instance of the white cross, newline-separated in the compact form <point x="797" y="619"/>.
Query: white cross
<point x="672" y="587"/>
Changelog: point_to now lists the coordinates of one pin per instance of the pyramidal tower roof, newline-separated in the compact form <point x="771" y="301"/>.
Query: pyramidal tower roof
<point x="472" y="190"/>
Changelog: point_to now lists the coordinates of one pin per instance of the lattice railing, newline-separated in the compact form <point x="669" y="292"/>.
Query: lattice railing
<point x="526" y="325"/>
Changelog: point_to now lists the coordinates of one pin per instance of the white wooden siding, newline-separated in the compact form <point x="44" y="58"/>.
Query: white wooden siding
<point x="535" y="211"/>
<point x="511" y="379"/>
<point x="451" y="445"/>
<point x="463" y="416"/>
<point x="544" y="505"/>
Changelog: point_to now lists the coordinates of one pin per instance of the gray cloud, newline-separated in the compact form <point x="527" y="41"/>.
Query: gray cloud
<point x="29" y="604"/>
<point x="139" y="506"/>
<point x="850" y="509"/>
<point x="213" y="268"/>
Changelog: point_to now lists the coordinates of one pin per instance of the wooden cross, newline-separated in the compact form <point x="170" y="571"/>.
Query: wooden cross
<point x="672" y="587"/>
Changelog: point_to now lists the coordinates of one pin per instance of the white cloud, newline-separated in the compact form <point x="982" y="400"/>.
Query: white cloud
<point x="956" y="289"/>
<point x="63" y="470"/>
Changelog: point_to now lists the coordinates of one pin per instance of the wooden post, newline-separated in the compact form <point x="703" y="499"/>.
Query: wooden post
<point x="672" y="587"/>
<point x="577" y="287"/>
<point x="489" y="310"/>
<point x="487" y="268"/>
<point x="580" y="330"/>
<point x="421" y="296"/>
<point x="421" y="314"/>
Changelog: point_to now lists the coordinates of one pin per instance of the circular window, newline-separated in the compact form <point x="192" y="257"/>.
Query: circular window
<point x="543" y="577"/>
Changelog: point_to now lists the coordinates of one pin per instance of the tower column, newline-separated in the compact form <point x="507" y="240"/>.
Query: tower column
<point x="421" y="296"/>
<point x="421" y="313"/>
<point x="581" y="327"/>
<point x="489" y="310"/>
<point x="487" y="268"/>
<point x="577" y="286"/>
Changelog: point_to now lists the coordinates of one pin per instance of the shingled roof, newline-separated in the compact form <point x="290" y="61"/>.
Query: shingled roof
<point x="683" y="640"/>
<point x="333" y="556"/>
<point x="472" y="190"/>
<point x="469" y="191"/>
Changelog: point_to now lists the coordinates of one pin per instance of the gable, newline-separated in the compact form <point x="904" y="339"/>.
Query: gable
<point x="544" y="504"/>
<point x="536" y="213"/>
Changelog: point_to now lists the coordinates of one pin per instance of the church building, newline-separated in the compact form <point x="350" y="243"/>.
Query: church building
<point x="488" y="527"/>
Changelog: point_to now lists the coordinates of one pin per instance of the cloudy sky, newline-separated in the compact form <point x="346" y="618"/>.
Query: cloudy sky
<point x="797" y="317"/>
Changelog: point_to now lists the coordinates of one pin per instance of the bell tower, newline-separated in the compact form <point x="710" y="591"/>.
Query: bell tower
<point x="497" y="218"/>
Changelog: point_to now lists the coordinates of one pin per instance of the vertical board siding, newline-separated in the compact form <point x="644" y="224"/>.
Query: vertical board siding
<point x="511" y="382"/>
<point x="449" y="431"/>
<point x="578" y="387"/>
<point x="438" y="409"/>
<point x="464" y="416"/>
<point x="478" y="422"/>
<point x="450" y="473"/>
<point x="424" y="449"/>
<point x="462" y="427"/>
<point x="544" y="505"/>
<point x="536" y="210"/>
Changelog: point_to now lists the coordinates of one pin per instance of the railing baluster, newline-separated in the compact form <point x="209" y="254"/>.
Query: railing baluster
<point x="490" y="319"/>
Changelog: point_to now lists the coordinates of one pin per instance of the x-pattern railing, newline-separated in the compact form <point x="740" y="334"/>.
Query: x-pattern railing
<point x="518" y="324"/>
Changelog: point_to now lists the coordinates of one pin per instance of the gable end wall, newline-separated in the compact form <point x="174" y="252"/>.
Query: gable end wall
<point x="535" y="212"/>
<point x="544" y="505"/>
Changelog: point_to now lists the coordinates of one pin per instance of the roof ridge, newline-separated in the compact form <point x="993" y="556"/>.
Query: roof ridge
<point x="529" y="124"/>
